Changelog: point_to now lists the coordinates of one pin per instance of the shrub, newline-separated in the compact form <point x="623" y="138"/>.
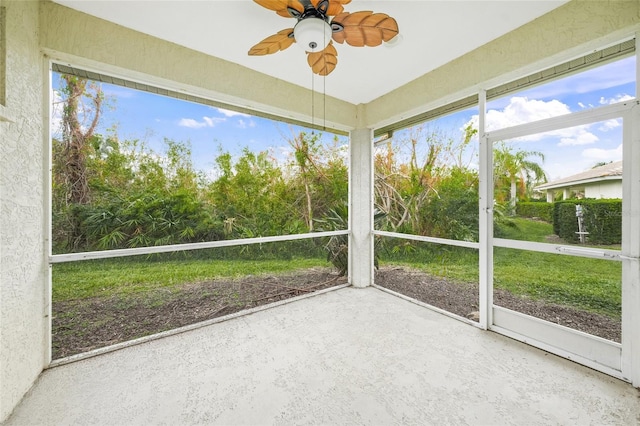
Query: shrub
<point x="602" y="219"/>
<point x="452" y="211"/>
<point x="337" y="246"/>
<point x="565" y="224"/>
<point x="542" y="210"/>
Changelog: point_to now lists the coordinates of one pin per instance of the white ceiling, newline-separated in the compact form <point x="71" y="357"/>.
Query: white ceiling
<point x="432" y="34"/>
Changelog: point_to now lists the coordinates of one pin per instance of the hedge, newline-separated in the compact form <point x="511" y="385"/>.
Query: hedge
<point x="602" y="220"/>
<point x="542" y="210"/>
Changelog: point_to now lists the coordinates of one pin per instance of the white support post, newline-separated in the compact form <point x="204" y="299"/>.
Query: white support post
<point x="631" y="240"/>
<point x="550" y="195"/>
<point x="47" y="207"/>
<point x="485" y="191"/>
<point x="361" y="208"/>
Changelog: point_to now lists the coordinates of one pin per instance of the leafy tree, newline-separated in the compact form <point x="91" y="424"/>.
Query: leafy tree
<point x="145" y="199"/>
<point x="516" y="171"/>
<point x="316" y="176"/>
<point x="409" y="179"/>
<point x="453" y="211"/>
<point x="403" y="188"/>
<point x="249" y="195"/>
<point x="305" y="152"/>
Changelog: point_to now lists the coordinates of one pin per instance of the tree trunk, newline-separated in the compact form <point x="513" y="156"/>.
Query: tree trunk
<point x="76" y="140"/>
<point x="514" y="197"/>
<point x="309" y="205"/>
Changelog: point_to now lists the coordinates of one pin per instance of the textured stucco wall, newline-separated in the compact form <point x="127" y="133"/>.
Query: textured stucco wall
<point x="71" y="32"/>
<point x="23" y="345"/>
<point x="525" y="50"/>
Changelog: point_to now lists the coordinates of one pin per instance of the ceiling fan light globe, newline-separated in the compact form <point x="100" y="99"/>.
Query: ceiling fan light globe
<point x="312" y="34"/>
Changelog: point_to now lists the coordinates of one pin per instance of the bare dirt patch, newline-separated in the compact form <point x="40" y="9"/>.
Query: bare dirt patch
<point x="86" y="324"/>
<point x="462" y="299"/>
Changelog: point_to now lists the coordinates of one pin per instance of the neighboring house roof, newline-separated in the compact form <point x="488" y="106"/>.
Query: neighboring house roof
<point x="611" y="171"/>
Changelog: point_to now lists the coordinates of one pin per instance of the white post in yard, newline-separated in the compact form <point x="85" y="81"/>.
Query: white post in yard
<point x="361" y="208"/>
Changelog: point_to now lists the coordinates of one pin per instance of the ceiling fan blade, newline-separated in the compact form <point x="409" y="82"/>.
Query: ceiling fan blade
<point x="335" y="6"/>
<point x="286" y="8"/>
<point x="364" y="28"/>
<point x="273" y="43"/>
<point x="322" y="63"/>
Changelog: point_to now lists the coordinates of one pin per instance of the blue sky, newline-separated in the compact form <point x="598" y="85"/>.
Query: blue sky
<point x="573" y="150"/>
<point x="151" y="118"/>
<point x="567" y="151"/>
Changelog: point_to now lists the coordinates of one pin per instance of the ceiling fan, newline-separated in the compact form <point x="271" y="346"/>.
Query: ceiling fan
<point x="315" y="29"/>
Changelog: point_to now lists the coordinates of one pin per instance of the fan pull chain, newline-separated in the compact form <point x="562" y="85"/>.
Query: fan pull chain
<point x="324" y="90"/>
<point x="324" y="103"/>
<point x="313" y="103"/>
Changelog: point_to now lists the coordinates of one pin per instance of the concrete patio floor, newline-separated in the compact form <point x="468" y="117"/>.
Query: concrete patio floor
<point x="350" y="356"/>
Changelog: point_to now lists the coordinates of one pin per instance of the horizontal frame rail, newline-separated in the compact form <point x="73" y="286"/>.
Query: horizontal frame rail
<point x="593" y="351"/>
<point x="595" y="253"/>
<point x="106" y="254"/>
<point x="444" y="241"/>
<point x="562" y="122"/>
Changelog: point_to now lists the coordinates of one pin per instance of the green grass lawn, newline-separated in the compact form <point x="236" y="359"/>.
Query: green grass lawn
<point x="525" y="229"/>
<point x="107" y="277"/>
<point x="589" y="284"/>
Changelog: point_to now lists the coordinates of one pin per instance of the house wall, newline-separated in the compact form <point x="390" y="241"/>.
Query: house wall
<point x="23" y="322"/>
<point x="605" y="189"/>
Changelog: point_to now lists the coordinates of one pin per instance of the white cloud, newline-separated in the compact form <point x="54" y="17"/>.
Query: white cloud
<point x="616" y="99"/>
<point x="522" y="110"/>
<point x="284" y="152"/>
<point x="603" y="154"/>
<point x="212" y="121"/>
<point x="610" y="124"/>
<point x="56" y="114"/>
<point x="206" y="122"/>
<point x="229" y="113"/>
<point x="243" y="124"/>
<point x="581" y="137"/>
<point x="191" y="123"/>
